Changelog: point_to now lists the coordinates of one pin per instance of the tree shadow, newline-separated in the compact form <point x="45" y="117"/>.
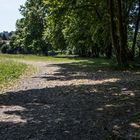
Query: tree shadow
<point x="87" y="70"/>
<point x="83" y="112"/>
<point x="106" y="106"/>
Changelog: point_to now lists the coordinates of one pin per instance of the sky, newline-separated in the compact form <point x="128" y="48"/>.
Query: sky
<point x="9" y="13"/>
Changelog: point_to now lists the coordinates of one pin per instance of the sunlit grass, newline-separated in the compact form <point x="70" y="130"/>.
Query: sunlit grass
<point x="37" y="58"/>
<point x="97" y="62"/>
<point x="10" y="71"/>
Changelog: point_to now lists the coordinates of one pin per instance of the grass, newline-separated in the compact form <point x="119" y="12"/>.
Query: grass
<point x="10" y="71"/>
<point x="36" y="58"/>
<point x="98" y="62"/>
<point x="76" y="61"/>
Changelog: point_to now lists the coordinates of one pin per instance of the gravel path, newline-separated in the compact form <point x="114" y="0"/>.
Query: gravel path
<point x="64" y="101"/>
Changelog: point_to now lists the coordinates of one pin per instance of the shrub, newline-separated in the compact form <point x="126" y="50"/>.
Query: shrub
<point x="6" y="48"/>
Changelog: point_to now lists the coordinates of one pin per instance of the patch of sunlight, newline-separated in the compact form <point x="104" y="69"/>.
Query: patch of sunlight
<point x="114" y="106"/>
<point x="116" y="94"/>
<point x="138" y="72"/>
<point x="99" y="109"/>
<point x="111" y="105"/>
<point x="116" y="127"/>
<point x="135" y="125"/>
<point x="124" y="89"/>
<point x="105" y="63"/>
<point x="128" y="93"/>
<point x="78" y="82"/>
<point x="111" y="80"/>
<point x="9" y="114"/>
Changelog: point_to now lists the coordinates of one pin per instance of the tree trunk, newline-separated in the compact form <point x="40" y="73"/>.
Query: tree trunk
<point x="136" y="33"/>
<point x="119" y="31"/>
<point x="122" y="33"/>
<point x="139" y="52"/>
<point x="109" y="51"/>
<point x="114" y="37"/>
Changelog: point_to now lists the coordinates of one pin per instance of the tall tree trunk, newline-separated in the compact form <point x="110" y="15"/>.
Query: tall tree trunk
<point x="114" y="37"/>
<point x="136" y="33"/>
<point x="119" y="31"/>
<point x="139" y="52"/>
<point x="122" y="33"/>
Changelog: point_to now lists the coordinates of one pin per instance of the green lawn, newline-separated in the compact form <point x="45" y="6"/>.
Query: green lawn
<point x="36" y="58"/>
<point x="80" y="61"/>
<point x="10" y="71"/>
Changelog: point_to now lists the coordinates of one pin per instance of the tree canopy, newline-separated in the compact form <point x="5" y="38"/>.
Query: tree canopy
<point x="83" y="27"/>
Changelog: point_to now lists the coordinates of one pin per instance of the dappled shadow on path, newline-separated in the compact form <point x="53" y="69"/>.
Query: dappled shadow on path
<point x="102" y="110"/>
<point x="80" y="71"/>
<point x="69" y="113"/>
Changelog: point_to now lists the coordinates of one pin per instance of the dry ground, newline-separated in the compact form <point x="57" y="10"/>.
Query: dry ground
<point x="65" y="101"/>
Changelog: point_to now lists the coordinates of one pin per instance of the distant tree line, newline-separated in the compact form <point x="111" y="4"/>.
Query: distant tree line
<point x="82" y="27"/>
<point x="5" y="37"/>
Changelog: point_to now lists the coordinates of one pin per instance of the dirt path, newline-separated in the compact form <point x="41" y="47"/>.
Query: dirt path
<point x="65" y="101"/>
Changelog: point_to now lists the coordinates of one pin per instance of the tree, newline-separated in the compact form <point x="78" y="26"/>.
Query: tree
<point x="29" y="33"/>
<point x="83" y="25"/>
<point x="136" y="29"/>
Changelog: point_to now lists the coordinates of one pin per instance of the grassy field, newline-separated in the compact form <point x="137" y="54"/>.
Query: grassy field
<point x="36" y="58"/>
<point x="98" y="62"/>
<point x="10" y="71"/>
<point x="81" y="62"/>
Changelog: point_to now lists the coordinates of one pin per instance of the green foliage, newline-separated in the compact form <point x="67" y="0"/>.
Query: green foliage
<point x="1" y="43"/>
<point x="78" y="25"/>
<point x="83" y="27"/>
<point x="6" y="48"/>
<point x="28" y="37"/>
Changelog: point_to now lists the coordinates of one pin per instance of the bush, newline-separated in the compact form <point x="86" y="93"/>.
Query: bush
<point x="6" y="48"/>
<point x="1" y="43"/>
